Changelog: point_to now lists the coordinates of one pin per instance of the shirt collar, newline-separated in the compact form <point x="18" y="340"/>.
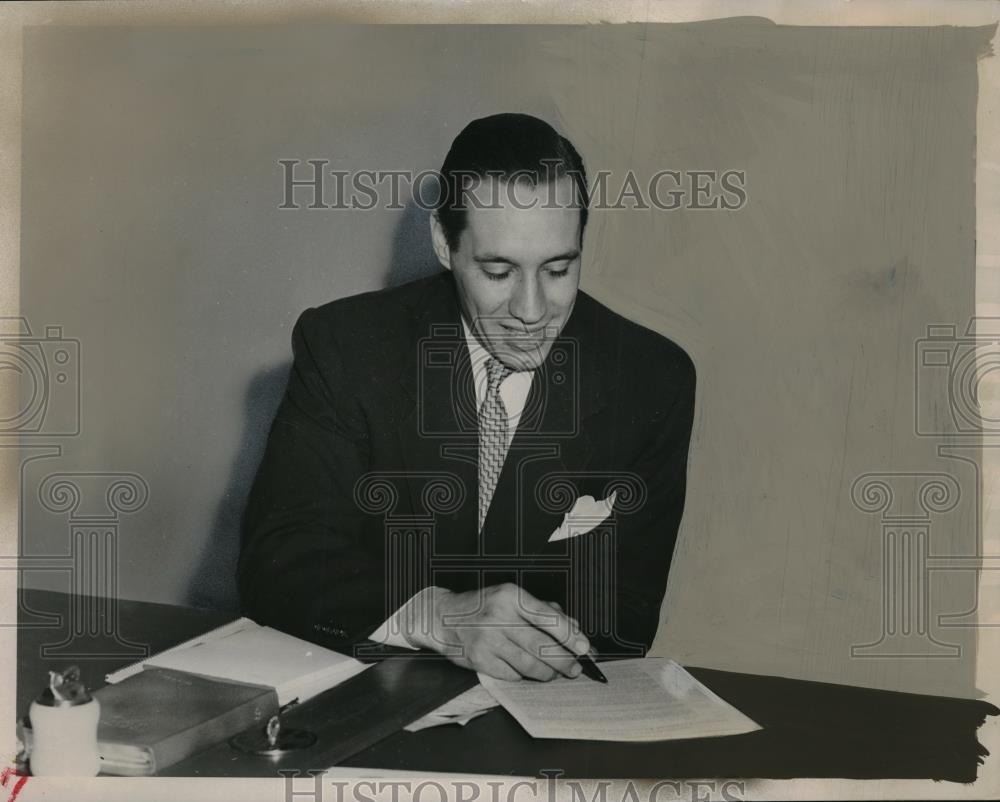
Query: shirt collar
<point x="479" y="357"/>
<point x="477" y="353"/>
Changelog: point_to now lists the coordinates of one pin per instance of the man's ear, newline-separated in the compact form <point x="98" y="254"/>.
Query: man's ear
<point x="440" y="242"/>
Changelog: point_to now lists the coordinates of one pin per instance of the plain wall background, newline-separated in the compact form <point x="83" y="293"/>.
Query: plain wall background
<point x="150" y="232"/>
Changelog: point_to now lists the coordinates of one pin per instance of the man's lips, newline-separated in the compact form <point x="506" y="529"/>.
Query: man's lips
<point x="525" y="341"/>
<point x="525" y="334"/>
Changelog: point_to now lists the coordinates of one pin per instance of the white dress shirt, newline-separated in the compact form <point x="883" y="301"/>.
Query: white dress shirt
<point x="514" y="394"/>
<point x="513" y="390"/>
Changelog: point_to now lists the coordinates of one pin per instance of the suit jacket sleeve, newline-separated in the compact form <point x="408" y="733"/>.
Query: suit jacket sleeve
<point x="302" y="567"/>
<point x="647" y="535"/>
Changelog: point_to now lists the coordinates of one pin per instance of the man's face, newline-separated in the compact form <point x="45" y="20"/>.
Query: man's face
<point x="517" y="267"/>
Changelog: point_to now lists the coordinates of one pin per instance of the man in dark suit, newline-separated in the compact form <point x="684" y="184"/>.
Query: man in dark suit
<point x="487" y="463"/>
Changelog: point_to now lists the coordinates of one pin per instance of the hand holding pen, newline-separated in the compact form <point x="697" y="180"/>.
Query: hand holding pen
<point x="589" y="667"/>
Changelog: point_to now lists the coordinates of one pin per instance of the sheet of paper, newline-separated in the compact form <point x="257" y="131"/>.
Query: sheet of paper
<point x="649" y="699"/>
<point x="460" y="710"/>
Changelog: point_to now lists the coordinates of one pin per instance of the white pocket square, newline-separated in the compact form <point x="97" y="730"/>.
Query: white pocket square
<point x="585" y="515"/>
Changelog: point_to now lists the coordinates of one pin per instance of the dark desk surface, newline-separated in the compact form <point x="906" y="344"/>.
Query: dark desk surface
<point x="810" y="729"/>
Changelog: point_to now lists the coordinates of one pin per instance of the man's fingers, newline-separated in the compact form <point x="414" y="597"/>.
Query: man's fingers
<point x="556" y="624"/>
<point x="574" y="624"/>
<point x="485" y="655"/>
<point x="494" y="653"/>
<point x="558" y="607"/>
<point x="540" y="646"/>
<point x="499" y="669"/>
<point x="524" y="662"/>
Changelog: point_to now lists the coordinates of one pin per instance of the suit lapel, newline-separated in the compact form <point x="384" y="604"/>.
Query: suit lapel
<point x="438" y="427"/>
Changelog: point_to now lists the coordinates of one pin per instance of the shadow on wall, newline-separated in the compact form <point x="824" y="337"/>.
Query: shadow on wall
<point x="213" y="583"/>
<point x="412" y="253"/>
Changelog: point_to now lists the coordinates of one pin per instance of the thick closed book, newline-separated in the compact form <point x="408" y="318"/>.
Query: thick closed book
<point x="159" y="716"/>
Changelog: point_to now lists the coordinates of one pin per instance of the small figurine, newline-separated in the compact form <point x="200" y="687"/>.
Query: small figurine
<point x="64" y="721"/>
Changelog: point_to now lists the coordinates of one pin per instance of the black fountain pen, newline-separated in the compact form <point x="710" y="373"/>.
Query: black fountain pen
<point x="590" y="669"/>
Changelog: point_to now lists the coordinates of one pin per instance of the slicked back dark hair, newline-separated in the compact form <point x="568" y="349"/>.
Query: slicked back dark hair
<point x="504" y="147"/>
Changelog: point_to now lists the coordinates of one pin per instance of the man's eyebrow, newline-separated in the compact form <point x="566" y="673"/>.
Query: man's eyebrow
<point x="567" y="256"/>
<point x="497" y="258"/>
<point x="493" y="257"/>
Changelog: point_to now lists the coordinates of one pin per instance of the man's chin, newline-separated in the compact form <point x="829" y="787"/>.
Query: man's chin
<point x="522" y="357"/>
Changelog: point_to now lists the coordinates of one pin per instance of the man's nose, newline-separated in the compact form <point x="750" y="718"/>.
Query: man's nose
<point x="528" y="302"/>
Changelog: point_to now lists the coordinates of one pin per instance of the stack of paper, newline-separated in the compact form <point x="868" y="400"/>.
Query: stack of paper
<point x="460" y="710"/>
<point x="244" y="651"/>
<point x="650" y="699"/>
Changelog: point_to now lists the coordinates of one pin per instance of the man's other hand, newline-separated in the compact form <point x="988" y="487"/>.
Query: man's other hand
<point x="501" y="630"/>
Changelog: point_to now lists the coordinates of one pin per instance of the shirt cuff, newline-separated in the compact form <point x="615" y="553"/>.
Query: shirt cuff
<point x="391" y="631"/>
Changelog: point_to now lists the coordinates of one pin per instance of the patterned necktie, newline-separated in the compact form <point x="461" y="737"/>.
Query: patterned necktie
<point x="492" y="435"/>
